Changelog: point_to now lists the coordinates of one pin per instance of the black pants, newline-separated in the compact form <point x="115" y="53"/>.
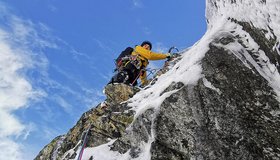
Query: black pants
<point x="128" y="75"/>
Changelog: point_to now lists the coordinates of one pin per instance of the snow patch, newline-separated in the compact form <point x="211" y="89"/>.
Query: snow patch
<point x="72" y="151"/>
<point x="57" y="147"/>
<point x="217" y="124"/>
<point x="263" y="65"/>
<point x="103" y="152"/>
<point x="209" y="85"/>
<point x="265" y="15"/>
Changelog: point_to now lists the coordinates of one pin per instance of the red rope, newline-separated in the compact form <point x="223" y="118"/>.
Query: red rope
<point x="83" y="145"/>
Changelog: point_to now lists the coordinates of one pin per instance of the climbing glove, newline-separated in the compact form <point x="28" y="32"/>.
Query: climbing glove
<point x="168" y="56"/>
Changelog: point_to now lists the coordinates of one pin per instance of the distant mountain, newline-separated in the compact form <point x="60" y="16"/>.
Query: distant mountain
<point x="219" y="100"/>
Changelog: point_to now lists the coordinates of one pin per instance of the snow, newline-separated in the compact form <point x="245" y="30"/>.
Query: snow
<point x="209" y="85"/>
<point x="189" y="70"/>
<point x="72" y="151"/>
<point x="57" y="147"/>
<point x="261" y="15"/>
<point x="102" y="152"/>
<point x="217" y="124"/>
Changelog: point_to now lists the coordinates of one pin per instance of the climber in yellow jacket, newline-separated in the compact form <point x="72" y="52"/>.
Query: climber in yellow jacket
<point x="138" y="61"/>
<point x="144" y="54"/>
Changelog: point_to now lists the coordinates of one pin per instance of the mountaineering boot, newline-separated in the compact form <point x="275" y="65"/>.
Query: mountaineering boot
<point x="120" y="77"/>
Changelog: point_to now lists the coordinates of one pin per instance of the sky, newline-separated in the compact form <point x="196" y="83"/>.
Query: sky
<point x="56" y="57"/>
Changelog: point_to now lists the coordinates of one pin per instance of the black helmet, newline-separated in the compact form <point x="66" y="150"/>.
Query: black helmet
<point x="148" y="43"/>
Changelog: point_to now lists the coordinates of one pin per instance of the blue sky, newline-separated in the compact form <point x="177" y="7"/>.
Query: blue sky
<point x="56" y="57"/>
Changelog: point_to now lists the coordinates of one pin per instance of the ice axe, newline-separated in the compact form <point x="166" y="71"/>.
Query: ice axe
<point x="172" y="54"/>
<point x="173" y="48"/>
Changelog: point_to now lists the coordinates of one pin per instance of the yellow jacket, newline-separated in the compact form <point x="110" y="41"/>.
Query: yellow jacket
<point x="144" y="55"/>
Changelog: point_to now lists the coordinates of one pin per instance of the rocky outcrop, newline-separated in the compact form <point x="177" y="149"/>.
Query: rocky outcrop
<point x="50" y="151"/>
<point x="103" y="122"/>
<point x="118" y="93"/>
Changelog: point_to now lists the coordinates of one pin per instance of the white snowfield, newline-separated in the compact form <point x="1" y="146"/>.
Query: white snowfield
<point x="260" y="14"/>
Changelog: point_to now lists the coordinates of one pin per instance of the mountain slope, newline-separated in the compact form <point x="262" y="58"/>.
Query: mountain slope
<point x="221" y="100"/>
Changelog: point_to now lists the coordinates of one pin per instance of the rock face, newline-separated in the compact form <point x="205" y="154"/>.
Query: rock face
<point x="117" y="93"/>
<point x="235" y="119"/>
<point x="221" y="100"/>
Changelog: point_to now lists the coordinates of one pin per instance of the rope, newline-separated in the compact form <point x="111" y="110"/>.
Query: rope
<point x="83" y="145"/>
<point x="136" y="77"/>
<point x="151" y="71"/>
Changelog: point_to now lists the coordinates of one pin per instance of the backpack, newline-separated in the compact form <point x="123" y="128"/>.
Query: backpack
<point x="123" y="58"/>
